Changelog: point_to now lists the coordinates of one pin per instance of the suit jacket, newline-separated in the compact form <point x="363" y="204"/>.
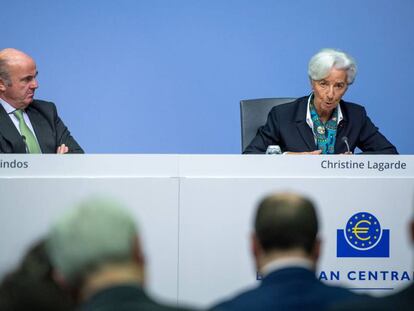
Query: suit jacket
<point x="50" y="130"/>
<point x="288" y="289"/>
<point x="286" y="126"/>
<point x="124" y="298"/>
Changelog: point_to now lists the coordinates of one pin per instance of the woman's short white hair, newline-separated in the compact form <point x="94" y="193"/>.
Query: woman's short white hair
<point x="322" y="62"/>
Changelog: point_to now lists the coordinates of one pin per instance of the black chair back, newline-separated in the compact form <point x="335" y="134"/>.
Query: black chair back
<point x="253" y="113"/>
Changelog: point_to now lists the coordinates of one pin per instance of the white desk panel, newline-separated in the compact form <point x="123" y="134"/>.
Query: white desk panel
<point x="30" y="205"/>
<point x="195" y="211"/>
<point x="88" y="165"/>
<point x="216" y="220"/>
<point x="223" y="166"/>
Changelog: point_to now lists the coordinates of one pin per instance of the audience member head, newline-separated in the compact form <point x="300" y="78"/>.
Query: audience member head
<point x="94" y="246"/>
<point x="285" y="225"/>
<point x="31" y="285"/>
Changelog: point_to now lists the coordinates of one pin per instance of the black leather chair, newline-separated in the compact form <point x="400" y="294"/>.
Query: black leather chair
<point x="253" y="113"/>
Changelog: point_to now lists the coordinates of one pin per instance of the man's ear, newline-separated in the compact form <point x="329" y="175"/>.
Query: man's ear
<point x="254" y="244"/>
<point x="139" y="259"/>
<point x="59" y="279"/>
<point x="256" y="249"/>
<point x="2" y="85"/>
<point x="137" y="252"/>
<point x="316" y="252"/>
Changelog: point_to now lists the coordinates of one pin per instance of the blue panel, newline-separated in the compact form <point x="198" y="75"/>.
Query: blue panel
<point x="382" y="249"/>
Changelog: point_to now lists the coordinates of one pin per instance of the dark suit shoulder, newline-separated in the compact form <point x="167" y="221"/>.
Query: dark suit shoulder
<point x="288" y="289"/>
<point x="125" y="298"/>
<point x="352" y="108"/>
<point x="42" y="105"/>
<point x="37" y="102"/>
<point x="45" y="108"/>
<point x="241" y="301"/>
<point x="50" y="129"/>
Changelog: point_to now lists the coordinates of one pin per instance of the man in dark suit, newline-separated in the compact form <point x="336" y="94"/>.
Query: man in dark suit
<point x="286" y="249"/>
<point x="28" y="125"/>
<point x="322" y="122"/>
<point x="96" y="252"/>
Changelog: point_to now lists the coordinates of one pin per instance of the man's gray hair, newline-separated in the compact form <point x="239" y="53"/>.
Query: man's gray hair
<point x="323" y="61"/>
<point x="97" y="231"/>
<point x="4" y="72"/>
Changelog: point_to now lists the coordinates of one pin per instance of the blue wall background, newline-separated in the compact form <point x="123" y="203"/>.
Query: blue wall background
<point x="162" y="76"/>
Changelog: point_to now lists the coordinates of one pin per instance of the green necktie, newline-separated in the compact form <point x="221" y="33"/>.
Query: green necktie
<point x="28" y="136"/>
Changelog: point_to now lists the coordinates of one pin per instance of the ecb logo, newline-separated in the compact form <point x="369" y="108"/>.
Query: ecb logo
<point x="363" y="237"/>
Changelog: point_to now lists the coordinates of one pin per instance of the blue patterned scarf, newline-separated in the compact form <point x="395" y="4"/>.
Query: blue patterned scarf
<point x="325" y="132"/>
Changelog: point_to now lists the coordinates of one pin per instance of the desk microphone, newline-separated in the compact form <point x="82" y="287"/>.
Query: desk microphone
<point x="345" y="140"/>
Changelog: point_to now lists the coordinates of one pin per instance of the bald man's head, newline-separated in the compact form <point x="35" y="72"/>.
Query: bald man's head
<point x="286" y="221"/>
<point x="17" y="78"/>
<point x="13" y="54"/>
<point x="9" y="57"/>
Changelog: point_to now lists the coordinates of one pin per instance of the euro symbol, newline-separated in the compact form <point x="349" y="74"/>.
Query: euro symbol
<point x="361" y="230"/>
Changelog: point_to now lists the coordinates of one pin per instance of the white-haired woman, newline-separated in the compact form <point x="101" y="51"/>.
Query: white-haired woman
<point x="322" y="122"/>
